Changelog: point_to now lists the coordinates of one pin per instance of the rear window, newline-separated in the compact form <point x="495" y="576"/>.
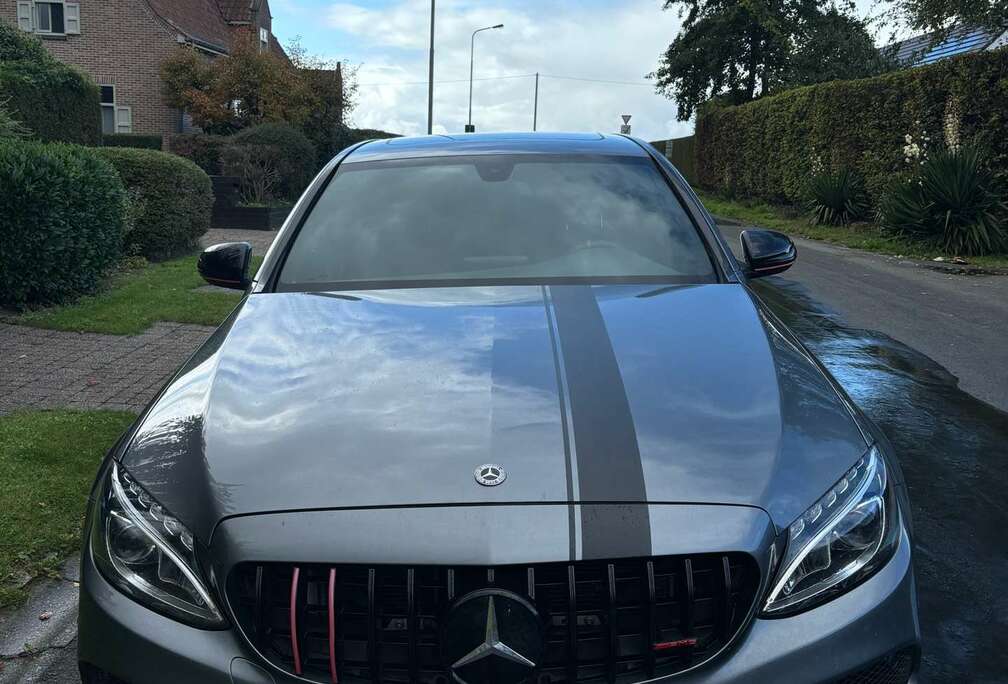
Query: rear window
<point x="495" y="219"/>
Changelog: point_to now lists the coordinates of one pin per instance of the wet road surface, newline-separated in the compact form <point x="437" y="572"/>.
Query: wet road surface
<point x="959" y="321"/>
<point x="954" y="453"/>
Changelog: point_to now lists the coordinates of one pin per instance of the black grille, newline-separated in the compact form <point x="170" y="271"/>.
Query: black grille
<point x="602" y="620"/>
<point x="893" y="669"/>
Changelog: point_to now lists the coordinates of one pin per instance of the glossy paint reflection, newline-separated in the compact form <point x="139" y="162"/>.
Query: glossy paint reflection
<point x="362" y="399"/>
<point x="954" y="452"/>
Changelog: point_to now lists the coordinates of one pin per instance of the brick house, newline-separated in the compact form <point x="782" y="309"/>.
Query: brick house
<point x="121" y="44"/>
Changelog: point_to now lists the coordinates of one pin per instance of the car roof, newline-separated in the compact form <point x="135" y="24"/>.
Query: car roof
<point x="496" y="143"/>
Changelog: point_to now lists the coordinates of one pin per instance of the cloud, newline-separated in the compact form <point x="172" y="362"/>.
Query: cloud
<point x="584" y="39"/>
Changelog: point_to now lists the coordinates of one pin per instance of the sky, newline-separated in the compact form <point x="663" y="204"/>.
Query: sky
<point x="387" y="40"/>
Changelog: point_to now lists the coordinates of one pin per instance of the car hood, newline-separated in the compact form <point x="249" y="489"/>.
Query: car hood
<point x="590" y="394"/>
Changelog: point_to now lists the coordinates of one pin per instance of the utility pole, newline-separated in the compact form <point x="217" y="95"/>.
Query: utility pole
<point x="430" y="77"/>
<point x="535" y="104"/>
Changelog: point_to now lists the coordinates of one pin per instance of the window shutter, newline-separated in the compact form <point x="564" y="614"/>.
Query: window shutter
<point x="24" y="16"/>
<point x="71" y="17"/>
<point x="124" y="120"/>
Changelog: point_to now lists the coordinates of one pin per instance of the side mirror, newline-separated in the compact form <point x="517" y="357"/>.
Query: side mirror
<point x="767" y="252"/>
<point x="226" y="265"/>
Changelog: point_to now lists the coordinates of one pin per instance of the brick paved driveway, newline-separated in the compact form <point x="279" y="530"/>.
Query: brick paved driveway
<point x="58" y="369"/>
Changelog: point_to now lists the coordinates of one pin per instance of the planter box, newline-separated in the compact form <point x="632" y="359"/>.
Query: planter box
<point x="250" y="218"/>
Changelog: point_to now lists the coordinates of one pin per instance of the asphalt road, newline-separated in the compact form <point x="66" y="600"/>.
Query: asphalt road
<point x="959" y="321"/>
<point x="925" y="354"/>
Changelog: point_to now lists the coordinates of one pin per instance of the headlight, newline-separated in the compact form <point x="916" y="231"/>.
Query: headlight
<point x="843" y="538"/>
<point x="147" y="553"/>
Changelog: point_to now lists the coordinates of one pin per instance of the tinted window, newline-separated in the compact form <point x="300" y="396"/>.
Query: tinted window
<point x="496" y="218"/>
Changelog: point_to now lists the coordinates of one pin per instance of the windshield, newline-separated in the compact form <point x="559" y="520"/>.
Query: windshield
<point x="495" y="219"/>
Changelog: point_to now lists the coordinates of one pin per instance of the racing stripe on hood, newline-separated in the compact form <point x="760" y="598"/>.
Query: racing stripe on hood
<point x="607" y="458"/>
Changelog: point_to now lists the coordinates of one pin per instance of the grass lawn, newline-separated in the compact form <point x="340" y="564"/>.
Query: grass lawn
<point x="860" y="236"/>
<point x="48" y="460"/>
<point x="137" y="298"/>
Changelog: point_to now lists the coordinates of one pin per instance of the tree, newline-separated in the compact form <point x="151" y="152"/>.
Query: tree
<point x="942" y="15"/>
<point x="335" y="89"/>
<point x="244" y="88"/>
<point x="831" y="47"/>
<point x="738" y="50"/>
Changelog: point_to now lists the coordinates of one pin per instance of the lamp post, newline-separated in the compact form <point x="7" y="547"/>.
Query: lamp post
<point x="472" y="56"/>
<point x="430" y="76"/>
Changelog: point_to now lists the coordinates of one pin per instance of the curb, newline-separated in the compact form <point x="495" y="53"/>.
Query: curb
<point x="41" y="630"/>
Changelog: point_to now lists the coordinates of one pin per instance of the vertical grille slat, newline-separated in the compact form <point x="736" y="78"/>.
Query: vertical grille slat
<point x="689" y="600"/>
<point x="572" y="644"/>
<point x="604" y="621"/>
<point x="295" y="645"/>
<point x="257" y="611"/>
<point x="411" y="626"/>
<point x="613" y="630"/>
<point x="331" y="613"/>
<point x="726" y="618"/>
<point x="652" y="627"/>
<point x="373" y="647"/>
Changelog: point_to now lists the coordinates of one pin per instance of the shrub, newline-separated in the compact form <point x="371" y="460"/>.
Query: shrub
<point x="144" y="142"/>
<point x="55" y="101"/>
<point x="341" y="137"/>
<point x="172" y="200"/>
<point x="202" y="149"/>
<point x="293" y="155"/>
<point x="9" y="126"/>
<point x="61" y="221"/>
<point x="17" y="45"/>
<point x="838" y="198"/>
<point x="255" y="166"/>
<point x="767" y="149"/>
<point x="952" y="204"/>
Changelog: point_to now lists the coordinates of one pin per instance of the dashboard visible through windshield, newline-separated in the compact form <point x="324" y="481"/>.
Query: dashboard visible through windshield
<point x="496" y="219"/>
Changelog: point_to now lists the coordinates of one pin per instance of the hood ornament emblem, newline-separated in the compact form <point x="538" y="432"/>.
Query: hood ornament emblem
<point x="490" y="474"/>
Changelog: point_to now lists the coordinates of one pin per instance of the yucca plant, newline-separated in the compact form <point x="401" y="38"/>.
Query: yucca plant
<point x="953" y="204"/>
<point x="837" y="198"/>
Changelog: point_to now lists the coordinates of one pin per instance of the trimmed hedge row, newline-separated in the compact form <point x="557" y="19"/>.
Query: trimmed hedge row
<point x="55" y="101"/>
<point x="171" y="199"/>
<point x="61" y="221"/>
<point x="769" y="148"/>
<point x="143" y="142"/>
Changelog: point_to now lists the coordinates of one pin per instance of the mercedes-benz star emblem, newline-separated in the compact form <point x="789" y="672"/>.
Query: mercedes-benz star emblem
<point x="492" y="637"/>
<point x="490" y="474"/>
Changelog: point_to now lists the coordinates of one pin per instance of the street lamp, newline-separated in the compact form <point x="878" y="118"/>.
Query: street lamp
<point x="472" y="54"/>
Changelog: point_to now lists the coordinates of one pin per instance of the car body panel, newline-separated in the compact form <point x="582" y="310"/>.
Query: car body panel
<point x="393" y="398"/>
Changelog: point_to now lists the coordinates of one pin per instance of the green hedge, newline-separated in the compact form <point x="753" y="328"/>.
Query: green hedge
<point x="204" y="150"/>
<point x="171" y="199"/>
<point x="293" y="155"/>
<point x="62" y="214"/>
<point x="55" y="101"/>
<point x="769" y="148"/>
<point x="143" y="142"/>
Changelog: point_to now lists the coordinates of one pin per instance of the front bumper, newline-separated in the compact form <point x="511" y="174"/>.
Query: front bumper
<point x="872" y="621"/>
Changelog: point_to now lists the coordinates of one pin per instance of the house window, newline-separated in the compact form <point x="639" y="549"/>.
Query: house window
<point x="108" y="110"/>
<point x="263" y="40"/>
<point x="49" y="17"/>
<point x="56" y="17"/>
<point x="115" y="118"/>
